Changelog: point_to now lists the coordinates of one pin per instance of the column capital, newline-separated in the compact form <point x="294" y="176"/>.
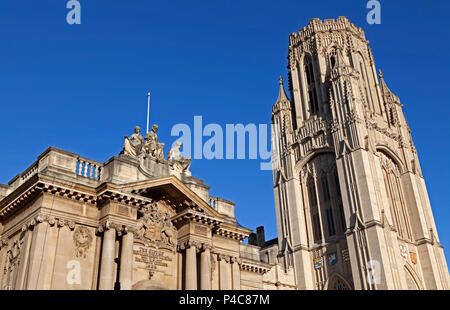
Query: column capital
<point x="207" y="246"/>
<point x="129" y="229"/>
<point x="109" y="225"/>
<point x="236" y="260"/>
<point x="51" y="220"/>
<point x="38" y="219"/>
<point x="190" y="244"/>
<point x="223" y="257"/>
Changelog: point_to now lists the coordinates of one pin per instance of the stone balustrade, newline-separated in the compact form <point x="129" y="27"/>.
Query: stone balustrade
<point x="213" y="202"/>
<point x="58" y="162"/>
<point x="88" y="168"/>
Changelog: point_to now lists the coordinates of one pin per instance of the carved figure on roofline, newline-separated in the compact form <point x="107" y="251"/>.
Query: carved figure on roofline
<point x="176" y="159"/>
<point x="133" y="144"/>
<point x="139" y="148"/>
<point x="152" y="147"/>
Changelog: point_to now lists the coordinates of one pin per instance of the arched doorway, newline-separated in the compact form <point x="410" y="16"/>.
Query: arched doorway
<point x="338" y="283"/>
<point x="412" y="281"/>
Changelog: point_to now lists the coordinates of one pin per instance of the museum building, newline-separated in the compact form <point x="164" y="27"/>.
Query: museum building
<point x="138" y="221"/>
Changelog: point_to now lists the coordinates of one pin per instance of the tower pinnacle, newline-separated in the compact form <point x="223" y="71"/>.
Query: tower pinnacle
<point x="282" y="97"/>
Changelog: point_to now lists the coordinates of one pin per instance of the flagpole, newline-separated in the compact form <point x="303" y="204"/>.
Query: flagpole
<point x="148" y="111"/>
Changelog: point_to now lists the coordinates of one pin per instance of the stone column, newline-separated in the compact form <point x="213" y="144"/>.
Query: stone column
<point x="126" y="261"/>
<point x="191" y="267"/>
<point x="214" y="272"/>
<point x="36" y="259"/>
<point x="3" y="249"/>
<point x="107" y="264"/>
<point x="62" y="257"/>
<point x="236" y="273"/>
<point x="205" y="266"/>
<point x="225" y="272"/>
<point x="180" y="270"/>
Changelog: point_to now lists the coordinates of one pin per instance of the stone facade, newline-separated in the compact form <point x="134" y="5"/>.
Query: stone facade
<point x="351" y="202"/>
<point x="138" y="221"/>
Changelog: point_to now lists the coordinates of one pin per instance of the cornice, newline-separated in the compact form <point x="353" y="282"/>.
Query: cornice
<point x="191" y="215"/>
<point x="40" y="183"/>
<point x="230" y="231"/>
<point x="254" y="266"/>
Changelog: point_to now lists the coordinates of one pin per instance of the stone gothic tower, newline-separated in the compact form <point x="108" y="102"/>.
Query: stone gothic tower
<point x="351" y="202"/>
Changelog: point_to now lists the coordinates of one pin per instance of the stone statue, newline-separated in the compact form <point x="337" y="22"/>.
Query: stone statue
<point x="133" y="144"/>
<point x="152" y="147"/>
<point x="168" y="231"/>
<point x="176" y="159"/>
<point x="137" y="147"/>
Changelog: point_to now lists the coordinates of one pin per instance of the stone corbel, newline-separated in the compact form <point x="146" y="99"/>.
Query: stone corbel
<point x="99" y="230"/>
<point x="40" y="219"/>
<point x="51" y="220"/>
<point x="4" y="242"/>
<point x="71" y="225"/>
<point x="61" y="223"/>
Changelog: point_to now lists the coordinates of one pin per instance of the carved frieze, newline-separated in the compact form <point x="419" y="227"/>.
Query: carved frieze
<point x="82" y="241"/>
<point x="13" y="256"/>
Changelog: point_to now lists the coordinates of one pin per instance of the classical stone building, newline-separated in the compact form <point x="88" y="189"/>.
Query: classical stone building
<point x="352" y="206"/>
<point x="137" y="221"/>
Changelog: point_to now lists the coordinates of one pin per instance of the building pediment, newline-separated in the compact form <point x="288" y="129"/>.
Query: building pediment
<point x="173" y="192"/>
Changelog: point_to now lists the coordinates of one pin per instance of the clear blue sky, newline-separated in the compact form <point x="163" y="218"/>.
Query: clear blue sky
<point x="83" y="87"/>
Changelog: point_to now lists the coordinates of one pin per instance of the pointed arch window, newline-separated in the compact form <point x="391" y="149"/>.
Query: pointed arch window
<point x="394" y="191"/>
<point x="312" y="194"/>
<point x="338" y="285"/>
<point x="316" y="228"/>
<point x="338" y="186"/>
<point x="342" y="217"/>
<point x="330" y="222"/>
<point x="311" y="86"/>
<point x="333" y="58"/>
<point x="326" y="189"/>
